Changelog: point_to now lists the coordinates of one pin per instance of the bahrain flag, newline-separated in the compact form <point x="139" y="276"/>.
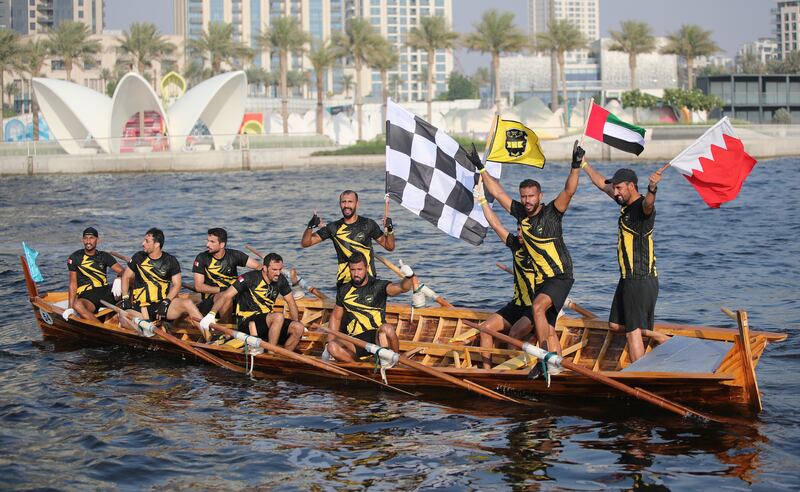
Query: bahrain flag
<point x="716" y="164"/>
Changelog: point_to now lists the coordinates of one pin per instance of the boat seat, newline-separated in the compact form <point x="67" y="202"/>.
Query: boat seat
<point x="683" y="355"/>
<point x="63" y="305"/>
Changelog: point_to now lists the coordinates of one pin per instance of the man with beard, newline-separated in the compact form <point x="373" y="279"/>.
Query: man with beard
<point x="361" y="309"/>
<point x="515" y="316"/>
<point x="540" y="225"/>
<point x="350" y="234"/>
<point x="216" y="269"/>
<point x="88" y="284"/>
<point x="634" y="304"/>
<point x="255" y="293"/>
<point x="156" y="277"/>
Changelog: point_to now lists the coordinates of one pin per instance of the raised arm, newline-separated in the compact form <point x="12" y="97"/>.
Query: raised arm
<point x="393" y="289"/>
<point x="492" y="185"/>
<point x="571" y="186"/>
<point x="310" y="238"/>
<point x="387" y="239"/>
<point x="652" y="187"/>
<point x="598" y="179"/>
<point x="491" y="217"/>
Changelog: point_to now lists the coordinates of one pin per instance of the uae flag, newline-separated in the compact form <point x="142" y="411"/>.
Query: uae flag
<point x="609" y="129"/>
<point x="716" y="164"/>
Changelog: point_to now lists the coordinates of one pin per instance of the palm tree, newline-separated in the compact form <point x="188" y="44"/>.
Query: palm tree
<point x="216" y="45"/>
<point x="383" y="57"/>
<point x="496" y="34"/>
<point x="635" y="38"/>
<point x="11" y="90"/>
<point x="35" y="53"/>
<point x="432" y="34"/>
<point x="395" y="82"/>
<point x="285" y="35"/>
<point x="71" y="41"/>
<point x="144" y="44"/>
<point x="347" y="83"/>
<point x="322" y="58"/>
<point x="357" y="39"/>
<point x="9" y="60"/>
<point x="561" y="36"/>
<point x="689" y="42"/>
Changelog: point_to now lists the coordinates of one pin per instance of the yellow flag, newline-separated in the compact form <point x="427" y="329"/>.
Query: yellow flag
<point x="515" y="143"/>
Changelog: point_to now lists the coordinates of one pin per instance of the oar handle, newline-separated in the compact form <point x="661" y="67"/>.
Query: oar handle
<point x="580" y="309"/>
<point x="504" y="268"/>
<point x="730" y="313"/>
<point x="255" y="252"/>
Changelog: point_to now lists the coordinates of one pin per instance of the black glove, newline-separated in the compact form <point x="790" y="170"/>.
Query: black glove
<point x="389" y="226"/>
<point x="475" y="159"/>
<point x="577" y="155"/>
<point x="163" y="307"/>
<point x="314" y="222"/>
<point x="125" y="303"/>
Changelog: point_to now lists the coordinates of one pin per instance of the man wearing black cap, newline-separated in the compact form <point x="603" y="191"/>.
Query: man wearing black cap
<point x="634" y="304"/>
<point x="540" y="225"/>
<point x="88" y="284"/>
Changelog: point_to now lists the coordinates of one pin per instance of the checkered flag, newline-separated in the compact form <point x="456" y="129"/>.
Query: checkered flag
<point x="429" y="173"/>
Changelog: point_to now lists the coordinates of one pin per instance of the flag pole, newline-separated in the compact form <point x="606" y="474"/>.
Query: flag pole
<point x="490" y="138"/>
<point x="586" y="120"/>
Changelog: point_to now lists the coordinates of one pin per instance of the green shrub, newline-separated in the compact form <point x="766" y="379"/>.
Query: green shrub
<point x="377" y="146"/>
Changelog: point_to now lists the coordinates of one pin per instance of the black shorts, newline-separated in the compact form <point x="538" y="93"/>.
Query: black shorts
<point x="634" y="303"/>
<point x="262" y="329"/>
<point x="558" y="290"/>
<point x="96" y="295"/>
<point x="513" y="313"/>
<point x="369" y="336"/>
<point x="205" y="305"/>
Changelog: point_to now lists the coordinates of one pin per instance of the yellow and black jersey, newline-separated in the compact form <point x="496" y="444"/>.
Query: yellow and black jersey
<point x="349" y="238"/>
<point x="364" y="307"/>
<point x="635" y="241"/>
<point x="525" y="275"/>
<point x="152" y="277"/>
<point x="255" y="295"/>
<point x="90" y="269"/>
<point x="544" y="240"/>
<point x="219" y="272"/>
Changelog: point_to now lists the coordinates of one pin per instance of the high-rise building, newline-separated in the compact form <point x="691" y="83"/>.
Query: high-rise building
<point x="583" y="13"/>
<point x="39" y="16"/>
<point x="786" y="15"/>
<point x="321" y="18"/>
<point x="5" y="14"/>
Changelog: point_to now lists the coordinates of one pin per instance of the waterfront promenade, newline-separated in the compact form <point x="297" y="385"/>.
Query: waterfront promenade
<point x="663" y="143"/>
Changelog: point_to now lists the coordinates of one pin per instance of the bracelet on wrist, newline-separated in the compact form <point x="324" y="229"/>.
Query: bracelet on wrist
<point x="212" y="313"/>
<point x="482" y="201"/>
<point x="482" y="170"/>
<point x="584" y="164"/>
<point x="652" y="190"/>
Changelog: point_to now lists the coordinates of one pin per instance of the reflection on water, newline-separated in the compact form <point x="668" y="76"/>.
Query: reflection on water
<point x="103" y="417"/>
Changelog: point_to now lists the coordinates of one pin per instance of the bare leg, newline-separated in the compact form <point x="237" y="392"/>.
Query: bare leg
<point x="180" y="307"/>
<point x="521" y="328"/>
<point x="635" y="344"/>
<point x="224" y="314"/>
<point x="275" y="324"/>
<point x="341" y="350"/>
<point x="655" y="335"/>
<point x="387" y="337"/>
<point x="85" y="309"/>
<point x="296" y="330"/>
<point x="493" y="322"/>
<point x="543" y="329"/>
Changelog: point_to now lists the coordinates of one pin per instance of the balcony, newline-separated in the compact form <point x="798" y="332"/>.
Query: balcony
<point x="45" y="7"/>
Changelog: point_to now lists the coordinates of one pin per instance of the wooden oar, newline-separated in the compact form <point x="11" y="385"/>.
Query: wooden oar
<point x="122" y="257"/>
<point x="318" y="363"/>
<point x="580" y="309"/>
<point x="462" y="383"/>
<point x="316" y="292"/>
<point x="504" y="268"/>
<point x="391" y="266"/>
<point x="635" y="392"/>
<point x="200" y="353"/>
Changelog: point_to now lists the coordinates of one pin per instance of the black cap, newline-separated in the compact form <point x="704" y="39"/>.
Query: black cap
<point x="90" y="231"/>
<point x="623" y="175"/>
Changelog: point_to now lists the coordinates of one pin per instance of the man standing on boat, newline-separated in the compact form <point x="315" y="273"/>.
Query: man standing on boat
<point x="634" y="304"/>
<point x="350" y="234"/>
<point x="542" y="235"/>
<point x="514" y="317"/>
<point x="361" y="309"/>
<point x="88" y="284"/>
<point x="255" y="293"/>
<point x="216" y="269"/>
<point x="156" y="277"/>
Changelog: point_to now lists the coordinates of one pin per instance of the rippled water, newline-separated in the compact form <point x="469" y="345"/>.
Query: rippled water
<point x="110" y="417"/>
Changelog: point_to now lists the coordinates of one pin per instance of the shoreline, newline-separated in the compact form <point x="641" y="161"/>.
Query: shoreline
<point x="288" y="158"/>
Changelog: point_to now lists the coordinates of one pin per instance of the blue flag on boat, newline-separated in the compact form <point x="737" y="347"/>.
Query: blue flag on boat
<point x="30" y="257"/>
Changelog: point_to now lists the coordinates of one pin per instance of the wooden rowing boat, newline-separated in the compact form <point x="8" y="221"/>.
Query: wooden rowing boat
<point x="439" y="337"/>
